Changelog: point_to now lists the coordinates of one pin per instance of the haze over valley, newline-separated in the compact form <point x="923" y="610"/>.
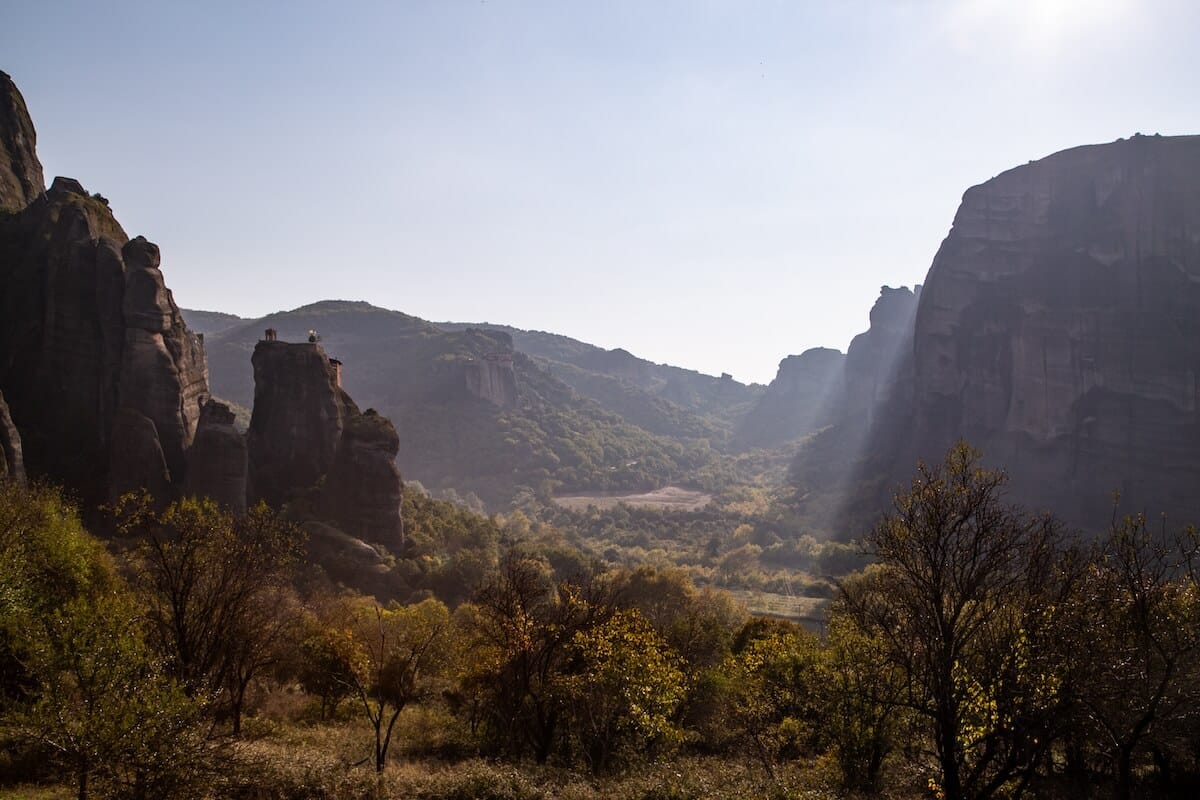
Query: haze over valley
<point x="639" y="400"/>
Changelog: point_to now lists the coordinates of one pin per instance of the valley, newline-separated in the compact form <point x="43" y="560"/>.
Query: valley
<point x="343" y="551"/>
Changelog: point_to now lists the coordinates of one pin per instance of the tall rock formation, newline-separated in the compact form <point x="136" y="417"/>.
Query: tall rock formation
<point x="217" y="460"/>
<point x="362" y="491"/>
<point x="492" y="378"/>
<point x="879" y="360"/>
<point x="296" y="426"/>
<point x="87" y="330"/>
<point x="844" y="474"/>
<point x="805" y="396"/>
<point x="309" y="443"/>
<point x="1059" y="329"/>
<point x="21" y="180"/>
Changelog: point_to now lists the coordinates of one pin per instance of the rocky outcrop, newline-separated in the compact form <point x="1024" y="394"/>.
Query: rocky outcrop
<point x="296" y="426"/>
<point x="879" y="361"/>
<point x="1059" y="329"/>
<point x="12" y="464"/>
<point x="309" y="443"/>
<point x="163" y="371"/>
<point x="88" y="328"/>
<point x="846" y="472"/>
<point x="362" y="491"/>
<point x="136" y="459"/>
<point x="491" y="378"/>
<point x="805" y="396"/>
<point x="21" y="180"/>
<point x="217" y="460"/>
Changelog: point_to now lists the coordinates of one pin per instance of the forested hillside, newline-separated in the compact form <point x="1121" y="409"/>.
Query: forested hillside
<point x="516" y="428"/>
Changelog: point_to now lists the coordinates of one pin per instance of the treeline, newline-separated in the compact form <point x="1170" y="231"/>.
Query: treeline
<point x="986" y="653"/>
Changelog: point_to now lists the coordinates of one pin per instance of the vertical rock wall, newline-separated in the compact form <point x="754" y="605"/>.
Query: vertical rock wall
<point x="93" y="350"/>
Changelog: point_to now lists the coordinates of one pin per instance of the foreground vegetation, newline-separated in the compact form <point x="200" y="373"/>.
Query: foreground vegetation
<point x="985" y="654"/>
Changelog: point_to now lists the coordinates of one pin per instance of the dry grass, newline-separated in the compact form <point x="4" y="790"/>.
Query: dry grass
<point x="30" y="792"/>
<point x="319" y="763"/>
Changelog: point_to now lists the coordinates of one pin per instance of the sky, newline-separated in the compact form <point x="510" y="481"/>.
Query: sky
<point x="714" y="184"/>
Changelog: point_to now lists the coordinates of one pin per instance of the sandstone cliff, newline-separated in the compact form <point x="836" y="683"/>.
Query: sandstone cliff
<point x="93" y="349"/>
<point x="1059" y="329"/>
<point x="217" y="460"/>
<point x="805" y="396"/>
<point x="491" y="378"/>
<point x="296" y="425"/>
<point x="362" y="491"/>
<point x="21" y="180"/>
<point x="879" y="360"/>
<point x="309" y="444"/>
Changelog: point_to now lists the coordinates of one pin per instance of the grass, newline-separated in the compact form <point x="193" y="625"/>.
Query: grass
<point x="33" y="792"/>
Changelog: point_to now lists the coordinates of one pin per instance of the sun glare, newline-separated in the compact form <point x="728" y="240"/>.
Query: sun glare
<point x="1035" y="24"/>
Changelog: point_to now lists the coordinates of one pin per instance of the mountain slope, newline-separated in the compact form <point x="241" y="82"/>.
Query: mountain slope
<point x="472" y="413"/>
<point x="661" y="398"/>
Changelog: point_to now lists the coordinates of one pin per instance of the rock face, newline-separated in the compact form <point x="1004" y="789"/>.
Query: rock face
<point x="308" y="442"/>
<point x="21" y="180"/>
<point x="137" y="460"/>
<point x="12" y="465"/>
<point x="87" y="329"/>
<point x="217" y="461"/>
<point x="491" y="378"/>
<point x="296" y="426"/>
<point x="806" y="395"/>
<point x="1059" y="329"/>
<point x="879" y="361"/>
<point x="362" y="492"/>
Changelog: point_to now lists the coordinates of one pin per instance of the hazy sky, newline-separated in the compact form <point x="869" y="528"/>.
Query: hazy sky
<point x="712" y="184"/>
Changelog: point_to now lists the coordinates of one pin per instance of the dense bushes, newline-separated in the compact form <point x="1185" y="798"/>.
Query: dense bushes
<point x="985" y="654"/>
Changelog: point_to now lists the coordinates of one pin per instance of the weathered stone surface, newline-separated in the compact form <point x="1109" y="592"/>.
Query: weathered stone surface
<point x="136" y="462"/>
<point x="163" y="372"/>
<point x="879" y="360"/>
<point x="309" y="442"/>
<point x="296" y="425"/>
<point x="21" y="180"/>
<point x="806" y="395"/>
<point x="88" y="327"/>
<point x="12" y="465"/>
<point x="362" y="491"/>
<point x="491" y="378"/>
<point x="217" y="460"/>
<point x="1059" y="330"/>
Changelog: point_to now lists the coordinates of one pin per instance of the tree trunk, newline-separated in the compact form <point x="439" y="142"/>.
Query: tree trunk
<point x="948" y="755"/>
<point x="1124" y="788"/>
<point x="83" y="780"/>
